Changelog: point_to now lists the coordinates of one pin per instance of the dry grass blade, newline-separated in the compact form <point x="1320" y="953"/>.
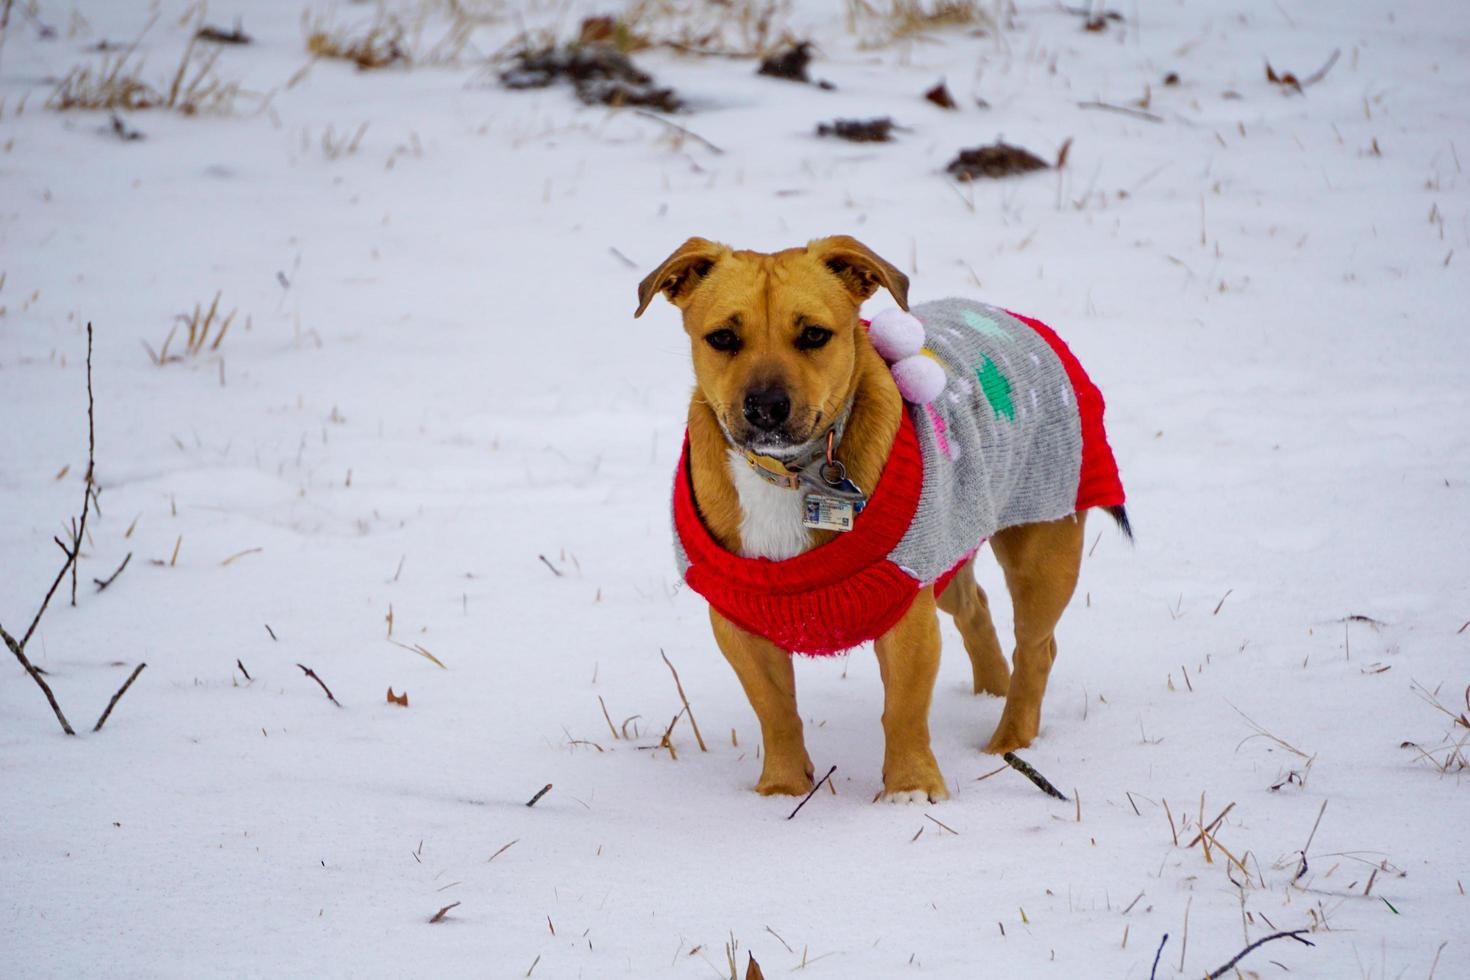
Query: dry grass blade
<point x="422" y="652"/>
<point x="1263" y="733"/>
<point x="942" y="824"/>
<point x="1210" y="827"/>
<point x="439" y="915"/>
<point x="682" y="697"/>
<point x="117" y="84"/>
<point x="380" y="45"/>
<point x="204" y="329"/>
<point x="905" y="19"/>
<point x="730" y="29"/>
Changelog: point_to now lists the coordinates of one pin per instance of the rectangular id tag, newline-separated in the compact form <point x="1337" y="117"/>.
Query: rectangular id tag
<point x="828" y="513"/>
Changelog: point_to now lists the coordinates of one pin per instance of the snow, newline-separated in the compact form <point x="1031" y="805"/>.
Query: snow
<point x="441" y="383"/>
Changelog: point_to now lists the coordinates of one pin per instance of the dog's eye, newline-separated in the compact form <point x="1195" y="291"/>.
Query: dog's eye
<point x="813" y="337"/>
<point x="723" y="340"/>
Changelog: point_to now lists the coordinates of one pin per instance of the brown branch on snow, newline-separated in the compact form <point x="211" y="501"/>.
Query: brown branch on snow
<point x="694" y="724"/>
<point x="1024" y="768"/>
<point x="18" y="647"/>
<point x="312" y="674"/>
<point x="104" y="583"/>
<point x="20" y="654"/>
<point x="89" y="485"/>
<point x="813" y="792"/>
<point x="1293" y="934"/>
<point x="610" y="726"/>
<point x="1157" y="953"/>
<point x="118" y="696"/>
<point x="533" y="801"/>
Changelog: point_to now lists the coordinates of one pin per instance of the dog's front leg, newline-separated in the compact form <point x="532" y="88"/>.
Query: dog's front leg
<point x="908" y="662"/>
<point x="766" y="674"/>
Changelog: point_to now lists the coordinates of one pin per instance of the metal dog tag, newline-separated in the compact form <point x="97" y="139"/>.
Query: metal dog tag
<point x="828" y="513"/>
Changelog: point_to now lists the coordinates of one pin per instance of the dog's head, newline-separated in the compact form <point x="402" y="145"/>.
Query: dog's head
<point x="774" y="336"/>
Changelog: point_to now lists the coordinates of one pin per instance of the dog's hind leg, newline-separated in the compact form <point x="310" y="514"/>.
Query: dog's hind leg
<point x="1040" y="562"/>
<point x="966" y="602"/>
<point x="766" y="674"/>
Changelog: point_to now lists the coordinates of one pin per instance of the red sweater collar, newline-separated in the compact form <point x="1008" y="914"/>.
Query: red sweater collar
<point x="875" y="534"/>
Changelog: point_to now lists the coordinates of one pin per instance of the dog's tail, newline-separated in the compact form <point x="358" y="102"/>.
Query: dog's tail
<point x="1120" y="514"/>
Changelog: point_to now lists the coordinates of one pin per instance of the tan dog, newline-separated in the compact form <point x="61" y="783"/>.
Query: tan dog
<point x="779" y="356"/>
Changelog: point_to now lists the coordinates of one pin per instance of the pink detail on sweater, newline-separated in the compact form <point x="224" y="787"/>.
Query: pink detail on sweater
<point x="939" y="435"/>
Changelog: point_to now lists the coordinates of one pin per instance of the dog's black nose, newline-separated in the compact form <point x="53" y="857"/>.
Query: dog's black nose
<point x="767" y="408"/>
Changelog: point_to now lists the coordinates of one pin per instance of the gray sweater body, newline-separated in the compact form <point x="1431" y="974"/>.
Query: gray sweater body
<point x="1002" y="444"/>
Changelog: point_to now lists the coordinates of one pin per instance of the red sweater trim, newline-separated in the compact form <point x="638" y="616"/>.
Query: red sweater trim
<point x="822" y="601"/>
<point x="1099" y="484"/>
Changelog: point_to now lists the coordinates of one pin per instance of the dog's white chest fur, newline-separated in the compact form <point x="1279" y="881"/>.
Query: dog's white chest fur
<point x="770" y="516"/>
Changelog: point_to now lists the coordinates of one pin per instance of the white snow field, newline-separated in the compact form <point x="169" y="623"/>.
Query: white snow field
<point x="433" y="400"/>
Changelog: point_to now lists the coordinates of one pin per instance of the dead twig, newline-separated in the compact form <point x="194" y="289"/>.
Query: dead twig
<point x="690" y="711"/>
<point x="1024" y="768"/>
<point x="118" y="696"/>
<point x="1293" y="934"/>
<point x="312" y="674"/>
<point x="18" y="647"/>
<point x="682" y="131"/>
<point x="439" y="915"/>
<point x="1122" y="109"/>
<point x="942" y="824"/>
<point x="104" y="583"/>
<point x="1308" y="845"/>
<point x="813" y="792"/>
<point x="243" y="670"/>
<point x="19" y="650"/>
<point x="87" y="489"/>
<point x="532" y="802"/>
<point x="1157" y="953"/>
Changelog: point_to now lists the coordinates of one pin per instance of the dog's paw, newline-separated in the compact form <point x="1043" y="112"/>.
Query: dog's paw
<point x="1008" y="739"/>
<point x="907" y="796"/>
<point x="917" y="781"/>
<point x="784" y="787"/>
<point x="996" y="687"/>
<point x="1016" y="730"/>
<point x="785" y="778"/>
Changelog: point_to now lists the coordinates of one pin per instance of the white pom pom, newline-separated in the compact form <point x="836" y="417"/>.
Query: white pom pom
<point x="920" y="379"/>
<point x="896" y="335"/>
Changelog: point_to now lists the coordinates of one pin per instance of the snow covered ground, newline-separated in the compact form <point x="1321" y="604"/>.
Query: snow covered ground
<point x="433" y="401"/>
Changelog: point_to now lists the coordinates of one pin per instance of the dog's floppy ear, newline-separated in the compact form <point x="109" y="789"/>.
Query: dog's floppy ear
<point x="861" y="269"/>
<point x="680" y="272"/>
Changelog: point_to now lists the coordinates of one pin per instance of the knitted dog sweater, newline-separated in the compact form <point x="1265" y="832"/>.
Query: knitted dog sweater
<point x="1016" y="437"/>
